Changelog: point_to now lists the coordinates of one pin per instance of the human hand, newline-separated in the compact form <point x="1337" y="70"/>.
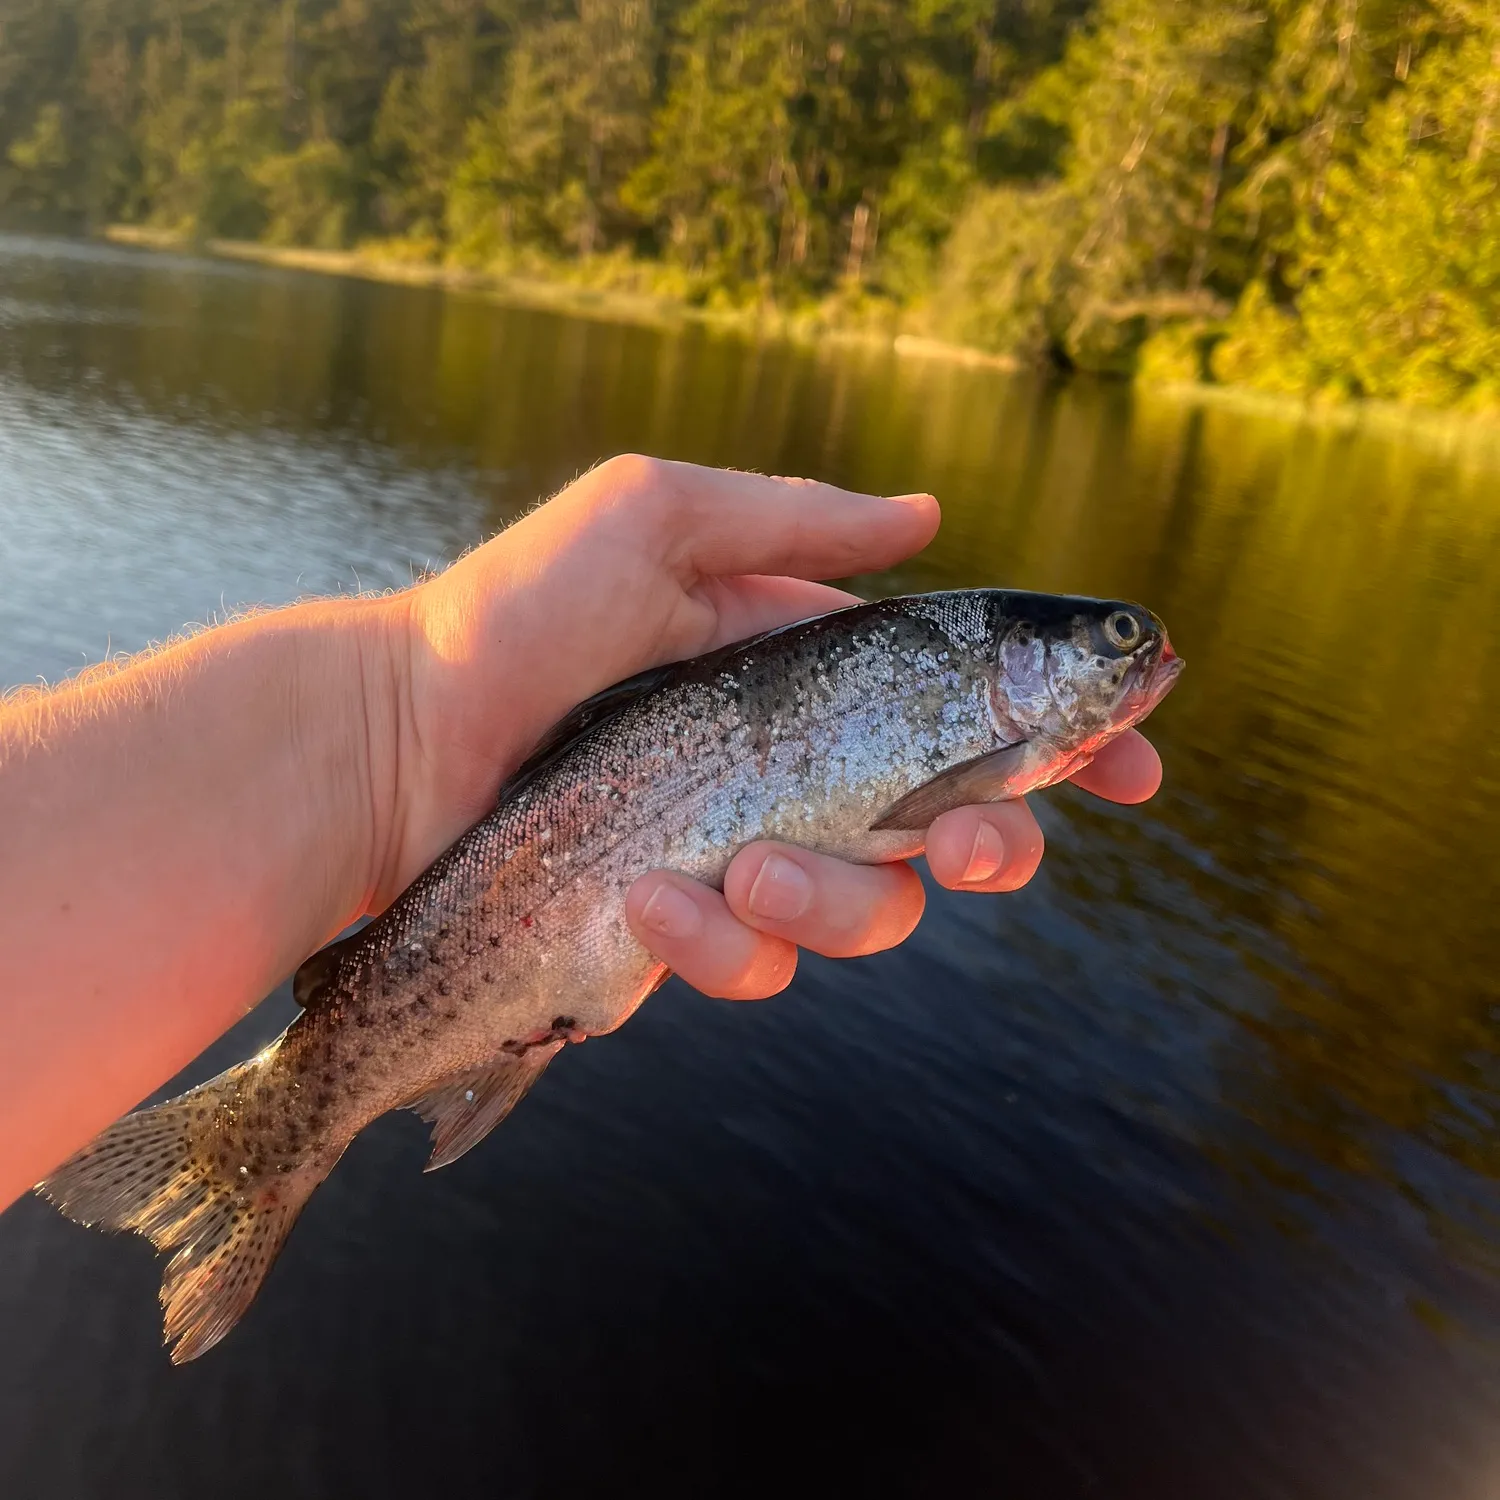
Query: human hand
<point x="640" y="562"/>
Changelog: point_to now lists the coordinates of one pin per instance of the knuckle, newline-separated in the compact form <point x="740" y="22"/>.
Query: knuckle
<point x="633" y="475"/>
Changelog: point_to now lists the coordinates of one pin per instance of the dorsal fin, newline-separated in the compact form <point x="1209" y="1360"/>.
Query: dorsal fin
<point x="318" y="974"/>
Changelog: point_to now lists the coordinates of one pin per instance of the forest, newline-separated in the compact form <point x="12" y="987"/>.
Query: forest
<point x="1299" y="196"/>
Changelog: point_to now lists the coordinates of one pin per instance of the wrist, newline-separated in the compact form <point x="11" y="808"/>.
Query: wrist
<point x="435" y="755"/>
<point x="288" y="718"/>
<point x="345" y="713"/>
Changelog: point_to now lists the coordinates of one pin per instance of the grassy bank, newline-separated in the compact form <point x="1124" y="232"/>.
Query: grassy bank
<point x="568" y="291"/>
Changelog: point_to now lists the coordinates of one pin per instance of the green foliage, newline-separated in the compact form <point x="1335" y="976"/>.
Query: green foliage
<point x="44" y="152"/>
<point x="1123" y="237"/>
<point x="543" y="166"/>
<point x="1294" y="194"/>
<point x="1402" y="295"/>
<point x="1264" y="347"/>
<point x="308" y="195"/>
<point x="1180" y="352"/>
<point x="1004" y="269"/>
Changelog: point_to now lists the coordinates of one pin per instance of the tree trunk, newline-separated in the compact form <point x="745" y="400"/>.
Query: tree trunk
<point x="232" y="60"/>
<point x="854" y="262"/>
<point x="589" y="237"/>
<point x="1491" y="97"/>
<point x="979" y="82"/>
<point x="288" y="60"/>
<point x="1210" y="204"/>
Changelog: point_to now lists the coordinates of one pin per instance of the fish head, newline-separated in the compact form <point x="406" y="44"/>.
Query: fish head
<point x="1072" y="673"/>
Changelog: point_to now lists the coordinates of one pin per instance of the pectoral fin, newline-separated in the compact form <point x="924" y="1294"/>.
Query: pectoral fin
<point x="994" y="777"/>
<point x="465" y="1110"/>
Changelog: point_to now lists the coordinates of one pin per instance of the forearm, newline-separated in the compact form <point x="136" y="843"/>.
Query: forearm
<point x="175" y="836"/>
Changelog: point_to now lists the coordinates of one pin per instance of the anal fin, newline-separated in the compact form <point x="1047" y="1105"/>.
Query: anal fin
<point x="464" y="1110"/>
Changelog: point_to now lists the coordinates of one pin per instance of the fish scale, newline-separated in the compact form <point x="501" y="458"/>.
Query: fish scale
<point x="846" y="734"/>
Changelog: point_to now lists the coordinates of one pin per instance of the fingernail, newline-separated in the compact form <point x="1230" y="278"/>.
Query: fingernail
<point x="987" y="854"/>
<point x="911" y="499"/>
<point x="672" y="913"/>
<point x="781" y="890"/>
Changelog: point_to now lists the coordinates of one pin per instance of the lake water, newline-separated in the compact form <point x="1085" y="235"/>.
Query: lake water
<point x="1173" y="1175"/>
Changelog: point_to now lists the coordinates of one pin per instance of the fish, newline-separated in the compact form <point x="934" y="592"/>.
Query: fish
<point x="847" y="734"/>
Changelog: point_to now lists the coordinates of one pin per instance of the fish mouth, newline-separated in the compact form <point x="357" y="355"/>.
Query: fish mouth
<point x="1159" y="668"/>
<point x="1164" y="673"/>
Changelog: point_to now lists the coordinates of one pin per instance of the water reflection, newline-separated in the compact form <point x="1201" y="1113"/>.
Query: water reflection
<point x="1262" y="1010"/>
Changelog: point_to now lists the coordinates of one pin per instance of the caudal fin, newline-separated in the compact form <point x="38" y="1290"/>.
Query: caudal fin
<point x="158" y="1172"/>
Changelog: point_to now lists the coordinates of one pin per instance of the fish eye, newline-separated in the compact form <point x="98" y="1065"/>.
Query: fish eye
<point x="1123" y="630"/>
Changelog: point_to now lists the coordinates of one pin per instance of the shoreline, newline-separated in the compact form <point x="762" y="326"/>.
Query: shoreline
<point x="609" y="304"/>
<point x="646" y="309"/>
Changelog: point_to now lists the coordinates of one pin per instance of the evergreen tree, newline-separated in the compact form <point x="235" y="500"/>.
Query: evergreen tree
<point x="545" y="163"/>
<point x="1305" y="187"/>
<point x="1402" y="289"/>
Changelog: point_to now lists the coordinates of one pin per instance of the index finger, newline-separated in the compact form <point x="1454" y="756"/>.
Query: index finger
<point x="728" y="522"/>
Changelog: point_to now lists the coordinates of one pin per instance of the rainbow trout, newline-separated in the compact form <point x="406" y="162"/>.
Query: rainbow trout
<point x="847" y="734"/>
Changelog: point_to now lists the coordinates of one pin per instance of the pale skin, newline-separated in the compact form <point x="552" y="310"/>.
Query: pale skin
<point x="178" y="832"/>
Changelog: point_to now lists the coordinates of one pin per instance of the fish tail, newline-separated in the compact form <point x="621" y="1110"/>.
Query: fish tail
<point x="161" y="1173"/>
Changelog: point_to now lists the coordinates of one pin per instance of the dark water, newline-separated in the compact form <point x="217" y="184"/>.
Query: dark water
<point x="1174" y="1175"/>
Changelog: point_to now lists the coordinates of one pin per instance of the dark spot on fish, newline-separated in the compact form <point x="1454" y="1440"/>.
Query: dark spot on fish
<point x="367" y="1049"/>
<point x="362" y="1018"/>
<point x="514" y="1048"/>
<point x="330" y="1077"/>
<point x="563" y="1023"/>
<point x="444" y="988"/>
<point x="494" y="940"/>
